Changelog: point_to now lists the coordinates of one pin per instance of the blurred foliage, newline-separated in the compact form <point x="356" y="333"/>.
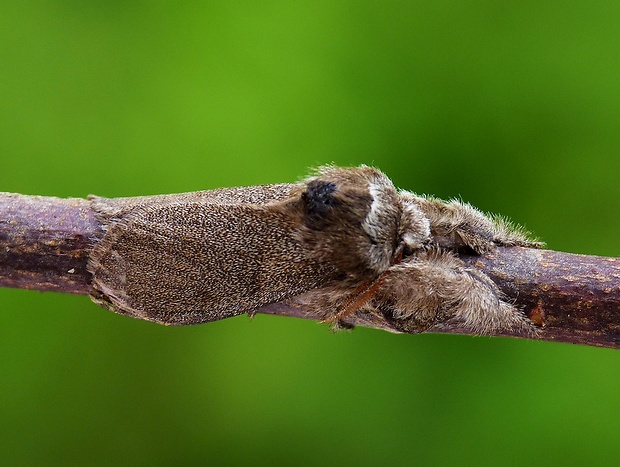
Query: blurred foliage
<point x="514" y="107"/>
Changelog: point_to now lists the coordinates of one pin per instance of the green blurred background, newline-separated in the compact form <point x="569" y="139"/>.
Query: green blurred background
<point x="514" y="107"/>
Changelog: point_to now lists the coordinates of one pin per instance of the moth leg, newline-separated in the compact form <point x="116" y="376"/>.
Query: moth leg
<point x="434" y="290"/>
<point x="356" y="300"/>
<point x="363" y="293"/>
<point x="457" y="225"/>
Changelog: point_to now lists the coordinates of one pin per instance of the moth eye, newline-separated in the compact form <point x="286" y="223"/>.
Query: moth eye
<point x="407" y="251"/>
<point x="318" y="199"/>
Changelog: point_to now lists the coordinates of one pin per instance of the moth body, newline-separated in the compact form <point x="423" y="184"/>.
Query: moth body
<point x="342" y="244"/>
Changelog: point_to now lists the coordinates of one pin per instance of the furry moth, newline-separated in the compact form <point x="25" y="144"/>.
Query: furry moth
<point x="342" y="241"/>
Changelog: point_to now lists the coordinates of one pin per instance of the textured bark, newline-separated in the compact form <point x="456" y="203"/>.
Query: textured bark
<point x="45" y="243"/>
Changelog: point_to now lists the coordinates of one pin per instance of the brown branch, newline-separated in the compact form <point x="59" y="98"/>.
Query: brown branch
<point x="45" y="243"/>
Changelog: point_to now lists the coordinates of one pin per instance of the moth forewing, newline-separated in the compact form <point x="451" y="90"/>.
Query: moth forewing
<point x="191" y="262"/>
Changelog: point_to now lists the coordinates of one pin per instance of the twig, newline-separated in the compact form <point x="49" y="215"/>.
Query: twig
<point x="45" y="243"/>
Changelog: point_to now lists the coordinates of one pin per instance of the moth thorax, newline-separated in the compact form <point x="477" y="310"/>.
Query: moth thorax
<point x="381" y="224"/>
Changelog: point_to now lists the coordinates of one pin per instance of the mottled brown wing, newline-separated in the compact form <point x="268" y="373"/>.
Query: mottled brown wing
<point x="188" y="262"/>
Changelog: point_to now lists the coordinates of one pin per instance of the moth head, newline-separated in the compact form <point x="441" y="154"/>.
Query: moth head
<point x="355" y="219"/>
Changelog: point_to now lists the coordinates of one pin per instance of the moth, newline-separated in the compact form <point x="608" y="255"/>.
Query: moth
<point x="343" y="241"/>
